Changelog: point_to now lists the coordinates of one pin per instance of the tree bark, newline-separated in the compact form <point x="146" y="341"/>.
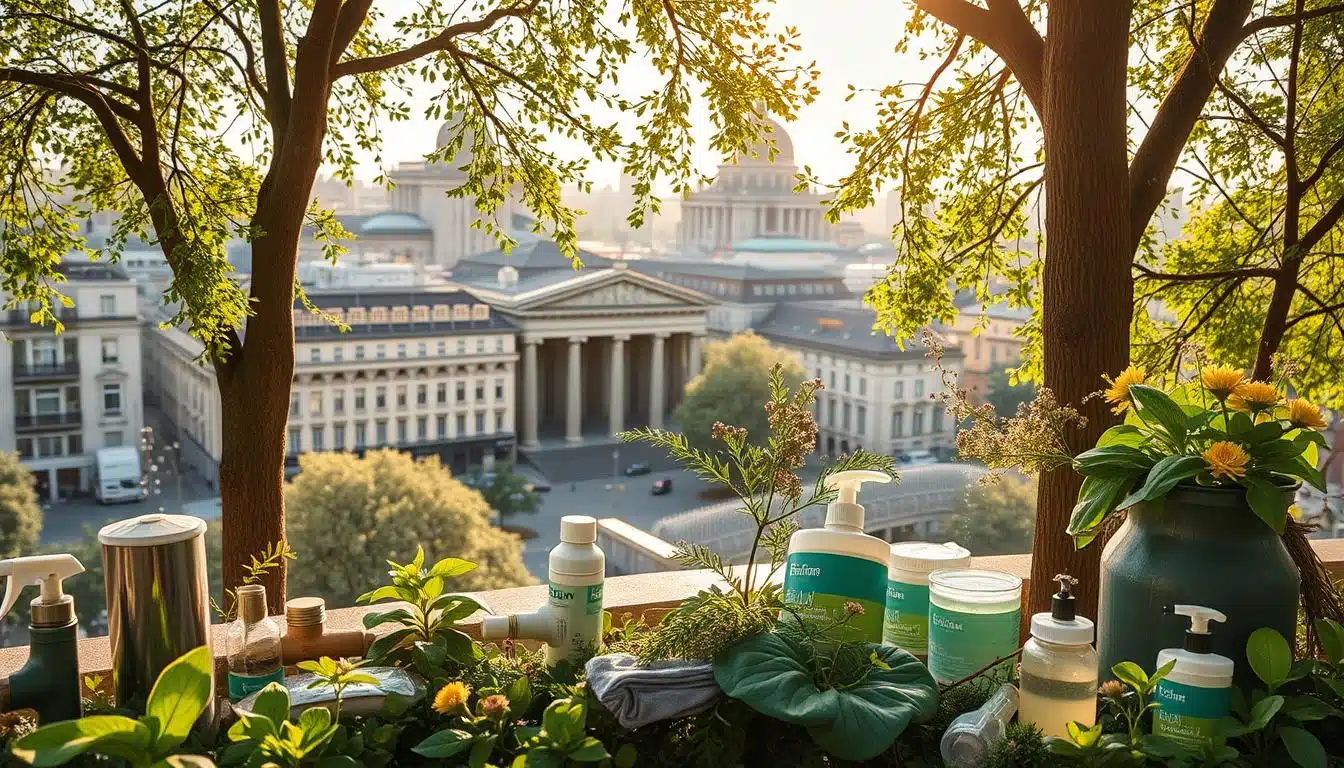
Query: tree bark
<point x="1087" y="284"/>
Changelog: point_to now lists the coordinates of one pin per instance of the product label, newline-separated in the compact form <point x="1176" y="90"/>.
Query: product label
<point x="961" y="643"/>
<point x="817" y="586"/>
<point x="242" y="685"/>
<point x="578" y="621"/>
<point x="907" y="621"/>
<point x="1188" y="714"/>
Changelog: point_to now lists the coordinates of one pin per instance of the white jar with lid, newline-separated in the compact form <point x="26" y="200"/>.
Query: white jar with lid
<point x="906" y="623"/>
<point x="974" y="619"/>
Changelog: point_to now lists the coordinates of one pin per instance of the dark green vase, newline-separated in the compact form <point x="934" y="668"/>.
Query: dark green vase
<point x="1199" y="546"/>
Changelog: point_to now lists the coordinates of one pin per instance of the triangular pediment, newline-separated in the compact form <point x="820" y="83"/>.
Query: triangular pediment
<point x="617" y="289"/>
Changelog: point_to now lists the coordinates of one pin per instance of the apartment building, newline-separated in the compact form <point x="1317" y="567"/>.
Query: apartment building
<point x="76" y="391"/>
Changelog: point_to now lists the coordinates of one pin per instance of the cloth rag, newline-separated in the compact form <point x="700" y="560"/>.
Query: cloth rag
<point x="640" y="694"/>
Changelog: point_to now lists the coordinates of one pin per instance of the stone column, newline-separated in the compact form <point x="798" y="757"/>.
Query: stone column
<point x="573" y="392"/>
<point x="529" y="425"/>
<point x="656" y="382"/>
<point x="616" y="390"/>
<point x="694" y="364"/>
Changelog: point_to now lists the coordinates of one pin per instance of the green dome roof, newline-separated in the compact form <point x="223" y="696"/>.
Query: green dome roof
<point x="394" y="223"/>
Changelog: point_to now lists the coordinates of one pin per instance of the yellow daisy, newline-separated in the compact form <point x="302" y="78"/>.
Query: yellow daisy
<point x="1118" y="393"/>
<point x="1305" y="414"/>
<point x="1226" y="459"/>
<point x="1220" y="381"/>
<point x="452" y="698"/>
<point x="1254" y="396"/>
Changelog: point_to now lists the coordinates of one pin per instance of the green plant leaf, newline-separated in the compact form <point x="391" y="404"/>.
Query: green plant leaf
<point x="1165" y="475"/>
<point x="179" y="697"/>
<point x="1154" y="405"/>
<point x="1113" y="459"/>
<point x="1131" y="674"/>
<point x="1122" y="434"/>
<point x="456" y="607"/>
<point x="769" y="672"/>
<point x="444" y="744"/>
<point x="451" y="566"/>
<point x="520" y="696"/>
<point x="1264" y="711"/>
<point x="1096" y="500"/>
<point x="58" y="743"/>
<point x="563" y="721"/>
<point x="1158" y="676"/>
<point x="378" y="618"/>
<point x="185" y="761"/>
<point x="459" y="645"/>
<point x="1267" y="500"/>
<point x="317" y="729"/>
<point x="590" y="750"/>
<point x="253" y="727"/>
<point x="625" y="756"/>
<point x="386" y="592"/>
<point x="1305" y="709"/>
<point x="1269" y="655"/>
<point x="390" y="642"/>
<point x="1264" y="432"/>
<point x="1332" y="639"/>
<point x="1303" y="747"/>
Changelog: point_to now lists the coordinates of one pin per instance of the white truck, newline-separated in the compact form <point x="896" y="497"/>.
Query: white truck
<point x="117" y="475"/>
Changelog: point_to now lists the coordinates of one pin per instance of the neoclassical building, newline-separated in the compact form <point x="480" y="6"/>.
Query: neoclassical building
<point x="753" y="197"/>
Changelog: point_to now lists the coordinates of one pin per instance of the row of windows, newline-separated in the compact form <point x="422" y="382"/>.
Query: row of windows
<point x="379" y="436"/>
<point x="62" y="445"/>
<point x="401" y="350"/>
<point x="794" y="289"/>
<point x="48" y="352"/>
<point x="916" y="422"/>
<point x="847" y="387"/>
<point x="48" y="401"/>
<point x="316" y="399"/>
<point x="440" y="313"/>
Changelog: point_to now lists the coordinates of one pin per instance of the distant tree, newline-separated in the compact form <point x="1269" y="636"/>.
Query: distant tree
<point x="348" y="516"/>
<point x="20" y="514"/>
<point x="509" y="493"/>
<point x="1004" y="395"/>
<point x="733" y="388"/>
<point x="998" y="519"/>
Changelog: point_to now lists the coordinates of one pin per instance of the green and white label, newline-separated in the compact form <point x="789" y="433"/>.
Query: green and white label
<point x="578" y="620"/>
<point x="907" y="617"/>
<point x="961" y="643"/>
<point x="241" y="686"/>
<point x="1188" y="714"/>
<point x="817" y="586"/>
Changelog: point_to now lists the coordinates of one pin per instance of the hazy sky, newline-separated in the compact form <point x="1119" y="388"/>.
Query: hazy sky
<point x="852" y="41"/>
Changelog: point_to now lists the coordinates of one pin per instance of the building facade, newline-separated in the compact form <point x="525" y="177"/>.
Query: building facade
<point x="77" y="391"/>
<point x="989" y="341"/>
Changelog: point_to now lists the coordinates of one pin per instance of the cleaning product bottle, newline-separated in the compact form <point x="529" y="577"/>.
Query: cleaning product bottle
<point x="571" y="621"/>
<point x="1059" y="666"/>
<point x="836" y="576"/>
<point x="1196" y="693"/>
<point x="907" y="616"/>
<point x="49" y="681"/>
<point x="253" y="644"/>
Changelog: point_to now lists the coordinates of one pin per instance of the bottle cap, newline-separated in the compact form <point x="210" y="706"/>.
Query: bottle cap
<point x="499" y="627"/>
<point x="151" y="530"/>
<point x="1076" y="631"/>
<point x="305" y="612"/>
<point x="845" y="511"/>
<point x="251" y="603"/>
<point x="578" y="529"/>
<point x="927" y="557"/>
<point x="1198" y="638"/>
<point x="1063" y="604"/>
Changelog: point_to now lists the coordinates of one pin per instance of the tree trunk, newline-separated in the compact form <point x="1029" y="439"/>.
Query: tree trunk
<point x="1088" y="289"/>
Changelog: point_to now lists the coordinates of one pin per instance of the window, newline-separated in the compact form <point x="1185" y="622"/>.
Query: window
<point x="938" y="420"/>
<point x="380" y="351"/>
<point x="917" y="423"/>
<point x="25" y="447"/>
<point x="900" y="390"/>
<point x="318" y="439"/>
<point x="359" y="399"/>
<point x="110" y="351"/>
<point x="112" y="398"/>
<point x="441" y="427"/>
<point x="401" y="396"/>
<point x="832" y="384"/>
<point x="499" y="344"/>
<point x="380" y="398"/>
<point x="107" y="305"/>
<point x="461" y="391"/>
<point x="830" y="413"/>
<point x="401" y="431"/>
<point x="421" y="349"/>
<point x="47" y="401"/>
<point x="74" y="444"/>
<point x="919" y="387"/>
<point x="294" y="407"/>
<point x="443" y="348"/>
<point x="338" y="353"/>
<point x="378" y="315"/>
<point x="315" y="354"/>
<point x="480" y="391"/>
<point x="50" y="446"/>
<point x="112" y="438"/>
<point x="499" y="421"/>
<point x="420" y="314"/>
<point x="338" y="402"/>
<point x="422" y="428"/>
<point x="461" y="347"/>
<point x="314" y="403"/>
<point x="338" y="437"/>
<point x="422" y="395"/>
<point x="863" y="386"/>
<point x="441" y="393"/>
<point x="360" y="435"/>
<point x="480" y="346"/>
<point x="846" y="382"/>
<point x="860" y="420"/>
<point x="897" y="423"/>
<point x="401" y="351"/>
<point x="499" y="389"/>
<point x="993" y="353"/>
<point x="461" y="423"/>
<point x="359" y="351"/>
<point x="480" y="422"/>
<point x="295" y="443"/>
<point x="380" y="430"/>
<point x="818" y="374"/>
<point x="844" y="424"/>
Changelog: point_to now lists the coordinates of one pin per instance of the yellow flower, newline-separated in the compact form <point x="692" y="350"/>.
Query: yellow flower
<point x="1226" y="459"/>
<point x="1294" y="511"/>
<point x="1118" y="393"/>
<point x="1221" y="382"/>
<point x="452" y="698"/>
<point x="1305" y="414"/>
<point x="1254" y="396"/>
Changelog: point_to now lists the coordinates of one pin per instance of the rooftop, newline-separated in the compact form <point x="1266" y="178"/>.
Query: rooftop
<point x="527" y="255"/>
<point x="394" y="223"/>
<point x="786" y="245"/>
<point x="839" y="327"/>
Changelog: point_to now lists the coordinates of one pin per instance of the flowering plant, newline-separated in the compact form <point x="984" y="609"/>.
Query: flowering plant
<point x="1220" y="429"/>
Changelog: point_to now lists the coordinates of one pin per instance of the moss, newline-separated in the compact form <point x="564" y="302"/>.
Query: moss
<point x="1022" y="746"/>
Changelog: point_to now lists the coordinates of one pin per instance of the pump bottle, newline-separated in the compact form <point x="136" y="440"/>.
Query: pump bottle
<point x="1059" y="666"/>
<point x="570" y="624"/>
<point x="1196" y="693"/>
<point x="49" y="682"/>
<point x="834" y="569"/>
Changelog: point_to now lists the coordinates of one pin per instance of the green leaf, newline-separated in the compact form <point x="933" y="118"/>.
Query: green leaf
<point x="1158" y="676"/>
<point x="1306" y="709"/>
<point x="58" y="743"/>
<point x="254" y="727"/>
<point x="390" y="642"/>
<point x="451" y="566"/>
<point x="1096" y="500"/>
<point x="519" y="695"/>
<point x="1332" y="639"/>
<point x="1264" y="432"/>
<point x="1122" y="434"/>
<point x="185" y="761"/>
<point x="1264" y="711"/>
<point x="375" y="619"/>
<point x="481" y="749"/>
<point x="444" y="744"/>
<point x="1267" y="500"/>
<point x="456" y="607"/>
<point x="179" y="697"/>
<point x="459" y="645"/>
<point x="590" y="750"/>
<point x="1165" y="475"/>
<point x="1113" y="459"/>
<point x="1154" y="405"/>
<point x="563" y="721"/>
<point x="1304" y="748"/>
<point x="625" y="756"/>
<point x="387" y="592"/>
<point x="1269" y="656"/>
<point x="1131" y="674"/>
<point x="771" y="674"/>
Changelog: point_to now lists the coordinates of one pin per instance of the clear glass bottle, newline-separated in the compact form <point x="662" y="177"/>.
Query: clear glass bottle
<point x="253" y="645"/>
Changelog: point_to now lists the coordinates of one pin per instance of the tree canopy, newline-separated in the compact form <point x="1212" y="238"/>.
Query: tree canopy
<point x="733" y="387"/>
<point x="997" y="519"/>
<point x="508" y="492"/>
<point x="20" y="514"/>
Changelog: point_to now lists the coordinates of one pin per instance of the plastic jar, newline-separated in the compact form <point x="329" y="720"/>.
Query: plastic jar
<point x="906" y="622"/>
<point x="975" y="617"/>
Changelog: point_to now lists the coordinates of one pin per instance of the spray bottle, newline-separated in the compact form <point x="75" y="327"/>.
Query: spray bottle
<point x="1196" y="693"/>
<point x="571" y="621"/>
<point x="49" y="682"/>
<point x="831" y="570"/>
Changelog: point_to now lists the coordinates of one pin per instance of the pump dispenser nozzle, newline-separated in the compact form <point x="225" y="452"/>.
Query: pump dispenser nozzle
<point x="1197" y="637"/>
<point x="45" y="570"/>
<point x="845" y="511"/>
<point x="1063" y="605"/>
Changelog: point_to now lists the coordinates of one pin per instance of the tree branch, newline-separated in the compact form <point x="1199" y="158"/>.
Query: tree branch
<point x="105" y="109"/>
<point x="249" y="52"/>
<point x="351" y="18"/>
<point x="1193" y="277"/>
<point x="1161" y="147"/>
<point x="1324" y="164"/>
<point x="439" y="42"/>
<point x="275" y="60"/>
<point x="1282" y="20"/>
<point x="1005" y="28"/>
<point x="1322" y="226"/>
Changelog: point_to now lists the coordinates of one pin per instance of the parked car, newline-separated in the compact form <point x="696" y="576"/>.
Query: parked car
<point x="916" y="458"/>
<point x="638" y="468"/>
<point x="662" y="487"/>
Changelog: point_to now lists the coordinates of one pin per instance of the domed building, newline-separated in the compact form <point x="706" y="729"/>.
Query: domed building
<point x="753" y="197"/>
<point x="422" y="189"/>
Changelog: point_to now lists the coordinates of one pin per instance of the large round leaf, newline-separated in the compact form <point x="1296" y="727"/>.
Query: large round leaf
<point x="770" y="674"/>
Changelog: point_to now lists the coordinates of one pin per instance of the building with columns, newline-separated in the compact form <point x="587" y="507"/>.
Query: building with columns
<point x="753" y="197"/>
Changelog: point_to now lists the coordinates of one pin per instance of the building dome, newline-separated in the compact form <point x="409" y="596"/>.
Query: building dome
<point x="760" y="151"/>
<point x="447" y="131"/>
<point x="394" y="223"/>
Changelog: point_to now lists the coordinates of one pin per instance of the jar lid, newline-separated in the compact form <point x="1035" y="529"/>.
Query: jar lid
<point x="1079" y="631"/>
<point x="982" y="584"/>
<point x="151" y="530"/>
<point x="305" y="612"/>
<point x="925" y="556"/>
<point x="578" y="529"/>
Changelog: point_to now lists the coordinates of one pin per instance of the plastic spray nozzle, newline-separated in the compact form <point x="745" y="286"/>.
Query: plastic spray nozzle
<point x="848" y="482"/>
<point x="46" y="571"/>
<point x="1199" y="616"/>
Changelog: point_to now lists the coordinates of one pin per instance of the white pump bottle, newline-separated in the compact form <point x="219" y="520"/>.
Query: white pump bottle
<point x="48" y="572"/>
<point x="1196" y="694"/>
<point x="831" y="570"/>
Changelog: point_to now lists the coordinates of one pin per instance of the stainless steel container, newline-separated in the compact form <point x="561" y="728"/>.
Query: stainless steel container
<point x="158" y="599"/>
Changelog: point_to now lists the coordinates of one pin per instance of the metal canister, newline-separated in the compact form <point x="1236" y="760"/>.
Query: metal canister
<point x="158" y="599"/>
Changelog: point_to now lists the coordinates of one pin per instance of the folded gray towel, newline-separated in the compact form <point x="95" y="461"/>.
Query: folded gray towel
<point x="640" y="694"/>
